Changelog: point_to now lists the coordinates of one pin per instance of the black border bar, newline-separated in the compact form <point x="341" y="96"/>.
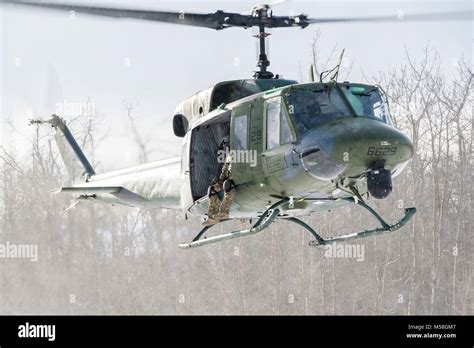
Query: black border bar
<point x="261" y="330"/>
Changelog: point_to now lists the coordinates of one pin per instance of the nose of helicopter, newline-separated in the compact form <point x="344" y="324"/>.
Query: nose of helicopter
<point x="353" y="146"/>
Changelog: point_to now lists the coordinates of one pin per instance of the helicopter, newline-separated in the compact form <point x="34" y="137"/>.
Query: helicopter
<point x="296" y="148"/>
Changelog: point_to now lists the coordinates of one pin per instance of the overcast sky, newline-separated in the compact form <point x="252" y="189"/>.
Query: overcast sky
<point x="49" y="59"/>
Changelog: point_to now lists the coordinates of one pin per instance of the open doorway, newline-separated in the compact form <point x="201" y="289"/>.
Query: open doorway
<point x="205" y="144"/>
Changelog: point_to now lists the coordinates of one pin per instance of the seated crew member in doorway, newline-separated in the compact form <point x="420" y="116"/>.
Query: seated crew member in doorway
<point x="218" y="210"/>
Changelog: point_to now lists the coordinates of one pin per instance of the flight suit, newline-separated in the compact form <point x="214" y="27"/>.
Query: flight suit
<point x="220" y="210"/>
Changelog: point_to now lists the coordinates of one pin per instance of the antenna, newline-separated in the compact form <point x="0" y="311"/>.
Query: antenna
<point x="311" y="73"/>
<point x="334" y="71"/>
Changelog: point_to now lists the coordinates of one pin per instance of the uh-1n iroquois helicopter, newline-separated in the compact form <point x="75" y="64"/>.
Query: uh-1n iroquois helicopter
<point x="306" y="147"/>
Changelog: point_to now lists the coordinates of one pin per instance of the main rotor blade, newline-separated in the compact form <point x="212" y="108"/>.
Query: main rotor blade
<point x="217" y="20"/>
<point x="221" y="20"/>
<point x="401" y="17"/>
<point x="214" y="20"/>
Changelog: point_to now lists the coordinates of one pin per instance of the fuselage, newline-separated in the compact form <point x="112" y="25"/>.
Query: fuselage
<point x="323" y="144"/>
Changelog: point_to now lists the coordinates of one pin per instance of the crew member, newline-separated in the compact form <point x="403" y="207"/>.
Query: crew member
<point x="219" y="210"/>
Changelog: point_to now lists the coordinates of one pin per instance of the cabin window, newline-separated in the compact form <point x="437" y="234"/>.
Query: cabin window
<point x="313" y="107"/>
<point x="240" y="130"/>
<point x="278" y="128"/>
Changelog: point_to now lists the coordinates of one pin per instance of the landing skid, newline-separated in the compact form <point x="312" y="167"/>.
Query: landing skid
<point x="272" y="213"/>
<point x="263" y="222"/>
<point x="386" y="228"/>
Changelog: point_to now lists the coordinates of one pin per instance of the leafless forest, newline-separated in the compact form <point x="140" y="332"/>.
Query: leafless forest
<point x="97" y="259"/>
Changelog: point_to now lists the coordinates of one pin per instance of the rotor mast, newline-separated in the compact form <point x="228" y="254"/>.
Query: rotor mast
<point x="263" y="61"/>
<point x="264" y="14"/>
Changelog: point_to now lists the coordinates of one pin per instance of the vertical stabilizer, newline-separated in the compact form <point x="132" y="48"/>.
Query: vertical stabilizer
<point x="77" y="164"/>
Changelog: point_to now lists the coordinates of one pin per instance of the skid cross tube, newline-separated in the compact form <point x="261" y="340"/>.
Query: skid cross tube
<point x="320" y="240"/>
<point x="263" y="222"/>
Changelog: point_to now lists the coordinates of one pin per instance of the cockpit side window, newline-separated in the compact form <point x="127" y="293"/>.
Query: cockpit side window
<point x="367" y="102"/>
<point x="241" y="132"/>
<point x="273" y="124"/>
<point x="311" y="108"/>
<point x="278" y="128"/>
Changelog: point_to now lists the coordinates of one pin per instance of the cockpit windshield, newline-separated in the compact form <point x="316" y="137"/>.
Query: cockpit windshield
<point x="367" y="101"/>
<point x="311" y="107"/>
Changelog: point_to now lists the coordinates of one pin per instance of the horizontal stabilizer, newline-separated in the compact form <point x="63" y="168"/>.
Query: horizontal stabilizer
<point x="120" y="192"/>
<point x="89" y="190"/>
